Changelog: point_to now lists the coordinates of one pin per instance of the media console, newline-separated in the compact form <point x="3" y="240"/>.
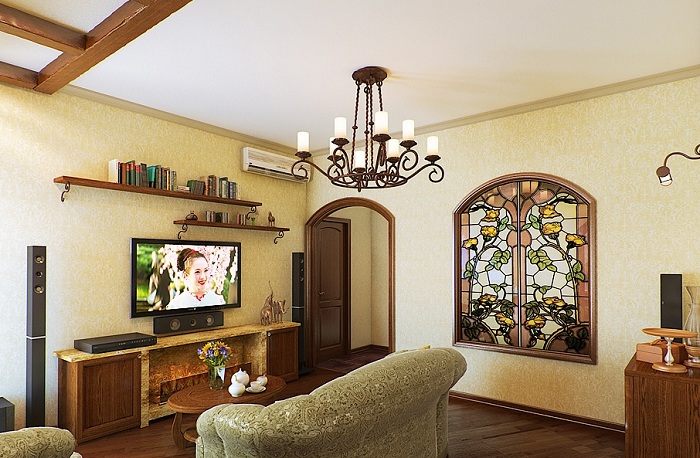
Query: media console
<point x="102" y="393"/>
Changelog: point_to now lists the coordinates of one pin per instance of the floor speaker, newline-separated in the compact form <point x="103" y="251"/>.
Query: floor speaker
<point x="672" y="301"/>
<point x="36" y="336"/>
<point x="187" y="322"/>
<point x="7" y="416"/>
<point x="298" y="280"/>
<point x="298" y="310"/>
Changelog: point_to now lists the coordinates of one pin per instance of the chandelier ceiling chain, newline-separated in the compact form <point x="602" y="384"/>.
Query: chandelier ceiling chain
<point x="359" y="168"/>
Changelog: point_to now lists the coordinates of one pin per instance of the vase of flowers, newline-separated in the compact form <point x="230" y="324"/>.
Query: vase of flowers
<point x="215" y="354"/>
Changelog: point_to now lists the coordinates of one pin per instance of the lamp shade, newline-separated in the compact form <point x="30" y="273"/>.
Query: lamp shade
<point x="664" y="174"/>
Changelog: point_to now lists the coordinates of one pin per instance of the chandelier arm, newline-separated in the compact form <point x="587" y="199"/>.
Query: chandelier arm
<point x="408" y="160"/>
<point x="339" y="158"/>
<point x="298" y="166"/>
<point x="436" y="174"/>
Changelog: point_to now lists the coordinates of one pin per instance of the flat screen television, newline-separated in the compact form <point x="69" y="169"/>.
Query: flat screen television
<point x="171" y="277"/>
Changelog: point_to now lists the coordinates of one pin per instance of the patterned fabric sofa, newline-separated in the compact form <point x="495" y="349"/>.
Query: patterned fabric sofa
<point x="394" y="407"/>
<point x="38" y="442"/>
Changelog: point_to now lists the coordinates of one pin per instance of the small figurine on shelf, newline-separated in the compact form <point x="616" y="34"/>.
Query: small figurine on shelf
<point x="278" y="310"/>
<point x="266" y="314"/>
<point x="270" y="219"/>
<point x="191" y="216"/>
<point x="252" y="215"/>
<point x="272" y="310"/>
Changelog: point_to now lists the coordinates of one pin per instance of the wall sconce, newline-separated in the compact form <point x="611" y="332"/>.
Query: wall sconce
<point x="664" y="173"/>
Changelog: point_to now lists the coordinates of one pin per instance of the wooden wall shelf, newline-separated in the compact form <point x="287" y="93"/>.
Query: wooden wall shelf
<point x="184" y="223"/>
<point x="69" y="181"/>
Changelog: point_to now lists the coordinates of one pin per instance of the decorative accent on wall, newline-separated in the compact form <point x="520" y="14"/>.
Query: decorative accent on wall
<point x="664" y="173"/>
<point x="361" y="168"/>
<point x="524" y="268"/>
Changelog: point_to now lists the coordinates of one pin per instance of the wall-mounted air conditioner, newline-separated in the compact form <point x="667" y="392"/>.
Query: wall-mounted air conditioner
<point x="271" y="164"/>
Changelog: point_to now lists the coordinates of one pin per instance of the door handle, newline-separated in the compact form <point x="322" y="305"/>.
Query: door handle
<point x="321" y="293"/>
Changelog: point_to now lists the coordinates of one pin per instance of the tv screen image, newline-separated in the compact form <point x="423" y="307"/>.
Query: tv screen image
<point x="173" y="276"/>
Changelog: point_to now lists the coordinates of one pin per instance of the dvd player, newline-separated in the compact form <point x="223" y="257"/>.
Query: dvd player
<point x="114" y="343"/>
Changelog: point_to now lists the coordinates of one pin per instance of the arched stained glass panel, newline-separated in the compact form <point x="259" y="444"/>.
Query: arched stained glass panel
<point x="524" y="268"/>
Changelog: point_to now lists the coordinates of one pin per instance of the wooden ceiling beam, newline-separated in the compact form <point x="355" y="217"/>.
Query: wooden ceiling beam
<point x="127" y="23"/>
<point x="41" y="31"/>
<point x="18" y="76"/>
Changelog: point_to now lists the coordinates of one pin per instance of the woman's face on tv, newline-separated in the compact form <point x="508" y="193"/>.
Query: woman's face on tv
<point x="197" y="276"/>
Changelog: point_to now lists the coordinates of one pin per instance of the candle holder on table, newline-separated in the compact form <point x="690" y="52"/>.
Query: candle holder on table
<point x="668" y="335"/>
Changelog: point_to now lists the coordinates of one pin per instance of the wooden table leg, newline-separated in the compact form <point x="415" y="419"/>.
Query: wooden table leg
<point x="178" y="437"/>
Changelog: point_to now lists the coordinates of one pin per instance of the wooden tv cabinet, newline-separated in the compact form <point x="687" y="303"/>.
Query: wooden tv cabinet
<point x="99" y="394"/>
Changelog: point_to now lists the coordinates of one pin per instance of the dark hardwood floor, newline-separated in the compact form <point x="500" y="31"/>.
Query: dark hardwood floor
<point x="475" y="430"/>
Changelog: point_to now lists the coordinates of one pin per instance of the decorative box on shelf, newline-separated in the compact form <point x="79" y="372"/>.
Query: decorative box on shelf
<point x="654" y="352"/>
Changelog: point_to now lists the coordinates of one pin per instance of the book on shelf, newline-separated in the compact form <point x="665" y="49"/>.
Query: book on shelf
<point x="140" y="174"/>
<point x="232" y="190"/>
<point x="196" y="186"/>
<point x="113" y="171"/>
<point x="223" y="187"/>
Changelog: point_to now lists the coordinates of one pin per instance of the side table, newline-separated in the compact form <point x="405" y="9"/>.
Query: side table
<point x="662" y="412"/>
<point x="198" y="398"/>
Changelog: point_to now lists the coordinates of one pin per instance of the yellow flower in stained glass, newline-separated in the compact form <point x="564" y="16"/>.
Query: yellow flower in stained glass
<point x="537" y="322"/>
<point x="555" y="301"/>
<point x="489" y="231"/>
<point x="548" y="211"/>
<point x="469" y="243"/>
<point x="487" y="298"/>
<point x="505" y="320"/>
<point x="491" y="216"/>
<point x="551" y="228"/>
<point x="575" y="240"/>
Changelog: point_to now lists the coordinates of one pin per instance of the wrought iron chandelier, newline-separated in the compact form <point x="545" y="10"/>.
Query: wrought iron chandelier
<point x="365" y="168"/>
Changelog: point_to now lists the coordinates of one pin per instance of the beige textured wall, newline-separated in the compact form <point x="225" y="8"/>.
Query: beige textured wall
<point x="611" y="147"/>
<point x="88" y="236"/>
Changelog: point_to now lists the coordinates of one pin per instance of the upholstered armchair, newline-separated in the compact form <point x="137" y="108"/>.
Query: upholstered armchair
<point x="38" y="442"/>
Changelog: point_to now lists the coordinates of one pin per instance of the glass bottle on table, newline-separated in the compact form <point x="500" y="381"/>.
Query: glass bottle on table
<point x="692" y="323"/>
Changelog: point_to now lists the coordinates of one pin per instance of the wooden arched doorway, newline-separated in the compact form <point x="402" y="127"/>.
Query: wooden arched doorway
<point x="314" y="221"/>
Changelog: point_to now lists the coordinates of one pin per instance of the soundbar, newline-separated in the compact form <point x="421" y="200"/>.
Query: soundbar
<point x="114" y="343"/>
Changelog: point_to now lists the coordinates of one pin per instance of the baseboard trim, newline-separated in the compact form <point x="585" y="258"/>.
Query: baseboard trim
<point x="369" y="347"/>
<point x="543" y="412"/>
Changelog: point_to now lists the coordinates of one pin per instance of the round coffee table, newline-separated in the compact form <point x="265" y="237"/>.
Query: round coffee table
<point x="198" y="398"/>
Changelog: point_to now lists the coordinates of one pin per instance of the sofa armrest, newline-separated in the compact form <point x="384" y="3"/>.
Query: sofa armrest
<point x="216" y="426"/>
<point x="37" y="442"/>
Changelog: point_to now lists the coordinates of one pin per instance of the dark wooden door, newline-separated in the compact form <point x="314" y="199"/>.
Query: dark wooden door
<point x="331" y="305"/>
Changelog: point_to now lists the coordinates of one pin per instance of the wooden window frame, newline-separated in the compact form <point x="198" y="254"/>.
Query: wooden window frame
<point x="583" y="198"/>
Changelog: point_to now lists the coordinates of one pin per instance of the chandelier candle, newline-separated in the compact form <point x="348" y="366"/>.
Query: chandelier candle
<point x="341" y="128"/>
<point x="407" y="130"/>
<point x="303" y="141"/>
<point x="379" y="162"/>
<point x="381" y="122"/>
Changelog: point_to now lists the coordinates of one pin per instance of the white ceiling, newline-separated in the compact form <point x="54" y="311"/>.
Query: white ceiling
<point x="268" y="69"/>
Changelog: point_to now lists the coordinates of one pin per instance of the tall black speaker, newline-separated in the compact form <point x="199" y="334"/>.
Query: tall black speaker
<point x="672" y="301"/>
<point x="36" y="335"/>
<point x="298" y="310"/>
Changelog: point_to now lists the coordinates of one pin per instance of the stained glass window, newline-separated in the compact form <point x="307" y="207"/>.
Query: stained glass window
<point x="524" y="268"/>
